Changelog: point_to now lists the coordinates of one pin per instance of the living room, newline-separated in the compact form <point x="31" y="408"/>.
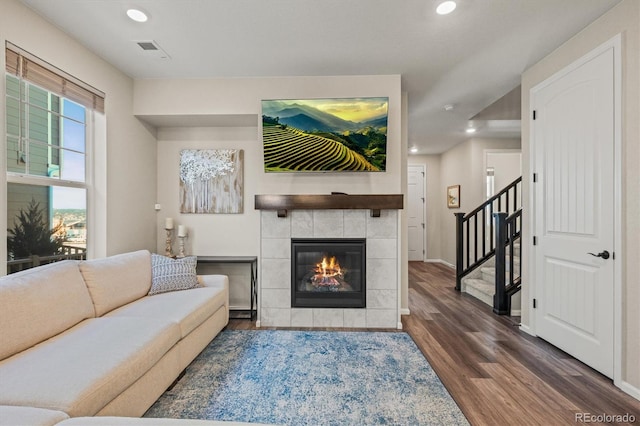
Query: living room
<point x="148" y="121"/>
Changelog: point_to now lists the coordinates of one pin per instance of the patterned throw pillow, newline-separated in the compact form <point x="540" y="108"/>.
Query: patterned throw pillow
<point x="172" y="274"/>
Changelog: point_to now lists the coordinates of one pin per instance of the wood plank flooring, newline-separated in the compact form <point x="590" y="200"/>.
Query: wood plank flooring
<point x="497" y="374"/>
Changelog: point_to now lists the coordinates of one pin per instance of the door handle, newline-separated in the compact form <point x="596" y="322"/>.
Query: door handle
<point x="605" y="254"/>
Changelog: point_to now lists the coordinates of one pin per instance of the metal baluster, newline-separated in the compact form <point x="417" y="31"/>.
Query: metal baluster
<point x="511" y="234"/>
<point x="484" y="230"/>
<point x="507" y="202"/>
<point x="475" y="236"/>
<point x="491" y="226"/>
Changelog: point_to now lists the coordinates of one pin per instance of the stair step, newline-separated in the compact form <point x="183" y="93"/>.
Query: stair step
<point x="489" y="273"/>
<point x="480" y="289"/>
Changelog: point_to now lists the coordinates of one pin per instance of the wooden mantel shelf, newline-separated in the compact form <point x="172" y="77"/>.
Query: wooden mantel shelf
<point x="373" y="202"/>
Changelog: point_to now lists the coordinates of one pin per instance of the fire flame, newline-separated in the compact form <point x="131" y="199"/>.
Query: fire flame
<point x="329" y="268"/>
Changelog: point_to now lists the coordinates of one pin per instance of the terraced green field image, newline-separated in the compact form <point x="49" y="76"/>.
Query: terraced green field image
<point x="292" y="150"/>
<point x="325" y="135"/>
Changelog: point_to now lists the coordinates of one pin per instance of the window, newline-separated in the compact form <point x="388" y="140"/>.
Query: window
<point x="47" y="158"/>
<point x="490" y="191"/>
<point x="490" y="181"/>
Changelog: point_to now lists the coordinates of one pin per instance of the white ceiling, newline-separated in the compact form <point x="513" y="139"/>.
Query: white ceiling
<point x="469" y="59"/>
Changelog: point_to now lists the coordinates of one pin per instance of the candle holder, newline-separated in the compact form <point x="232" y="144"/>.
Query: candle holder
<point x="181" y="246"/>
<point x="168" y="249"/>
<point x="182" y="234"/>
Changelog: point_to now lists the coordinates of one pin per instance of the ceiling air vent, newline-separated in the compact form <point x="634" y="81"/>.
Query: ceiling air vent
<point x="151" y="48"/>
<point x="147" y="45"/>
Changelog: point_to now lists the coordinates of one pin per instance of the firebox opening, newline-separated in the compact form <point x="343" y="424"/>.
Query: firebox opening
<point x="328" y="273"/>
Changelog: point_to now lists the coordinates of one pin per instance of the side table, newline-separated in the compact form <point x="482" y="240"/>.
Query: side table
<point x="252" y="261"/>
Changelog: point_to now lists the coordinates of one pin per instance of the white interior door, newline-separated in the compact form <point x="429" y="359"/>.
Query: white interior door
<point x="573" y="145"/>
<point x="416" y="208"/>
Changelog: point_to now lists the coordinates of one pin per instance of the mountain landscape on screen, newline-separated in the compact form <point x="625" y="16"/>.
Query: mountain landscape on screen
<point x="325" y="135"/>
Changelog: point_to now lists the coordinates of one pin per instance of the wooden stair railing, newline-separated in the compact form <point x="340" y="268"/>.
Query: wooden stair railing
<point x="472" y="248"/>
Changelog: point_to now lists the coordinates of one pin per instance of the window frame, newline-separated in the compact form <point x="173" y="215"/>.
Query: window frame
<point x="24" y="110"/>
<point x="31" y="179"/>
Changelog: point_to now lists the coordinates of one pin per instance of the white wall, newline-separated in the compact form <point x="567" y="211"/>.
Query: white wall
<point x="209" y="234"/>
<point x="222" y="101"/>
<point x="507" y="167"/>
<point x="129" y="158"/>
<point x="624" y="19"/>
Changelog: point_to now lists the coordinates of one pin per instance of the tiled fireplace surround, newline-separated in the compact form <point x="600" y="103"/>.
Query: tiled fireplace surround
<point x="381" y="235"/>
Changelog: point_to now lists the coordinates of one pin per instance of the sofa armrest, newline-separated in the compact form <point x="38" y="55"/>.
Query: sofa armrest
<point x="216" y="281"/>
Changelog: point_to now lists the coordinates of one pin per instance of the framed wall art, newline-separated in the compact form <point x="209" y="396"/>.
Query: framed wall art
<point x="211" y="181"/>
<point x="453" y="196"/>
<point x="325" y="135"/>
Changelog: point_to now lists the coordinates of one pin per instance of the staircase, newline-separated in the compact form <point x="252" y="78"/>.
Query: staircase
<point x="488" y="249"/>
<point x="481" y="283"/>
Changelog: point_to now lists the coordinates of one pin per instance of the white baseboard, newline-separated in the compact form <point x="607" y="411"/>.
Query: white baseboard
<point x="399" y="325"/>
<point x="441" y="261"/>
<point x="516" y="312"/>
<point x="526" y="329"/>
<point x="405" y="311"/>
<point x="257" y="323"/>
<point x="628" y="388"/>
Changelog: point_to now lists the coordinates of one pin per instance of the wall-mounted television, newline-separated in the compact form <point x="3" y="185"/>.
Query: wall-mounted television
<point x="325" y="135"/>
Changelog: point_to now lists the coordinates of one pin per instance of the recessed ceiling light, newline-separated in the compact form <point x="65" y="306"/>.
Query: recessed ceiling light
<point x="413" y="150"/>
<point x="471" y="130"/>
<point x="137" y="15"/>
<point x="446" y="7"/>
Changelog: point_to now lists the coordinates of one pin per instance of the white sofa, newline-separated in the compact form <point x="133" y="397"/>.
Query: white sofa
<point x="85" y="339"/>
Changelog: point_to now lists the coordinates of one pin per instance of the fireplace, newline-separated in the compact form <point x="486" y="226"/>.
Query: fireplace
<point x="328" y="273"/>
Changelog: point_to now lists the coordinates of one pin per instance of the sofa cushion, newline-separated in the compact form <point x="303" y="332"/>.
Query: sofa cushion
<point x="172" y="274"/>
<point x="86" y="367"/>
<point x="13" y="416"/>
<point x="189" y="308"/>
<point x="117" y="280"/>
<point x="39" y="303"/>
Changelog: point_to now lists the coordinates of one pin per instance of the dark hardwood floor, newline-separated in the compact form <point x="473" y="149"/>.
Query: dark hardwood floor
<point x="497" y="374"/>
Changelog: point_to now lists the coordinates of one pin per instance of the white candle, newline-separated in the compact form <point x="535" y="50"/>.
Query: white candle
<point x="168" y="223"/>
<point x="182" y="231"/>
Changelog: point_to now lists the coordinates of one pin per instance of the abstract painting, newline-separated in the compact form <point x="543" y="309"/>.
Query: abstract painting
<point x="211" y="181"/>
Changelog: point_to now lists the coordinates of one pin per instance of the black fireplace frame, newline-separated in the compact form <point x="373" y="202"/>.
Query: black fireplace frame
<point x="356" y="300"/>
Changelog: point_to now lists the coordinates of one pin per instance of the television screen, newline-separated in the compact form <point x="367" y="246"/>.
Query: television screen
<point x="325" y="135"/>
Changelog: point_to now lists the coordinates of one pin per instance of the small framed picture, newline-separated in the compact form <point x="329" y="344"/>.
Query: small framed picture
<point x="453" y="196"/>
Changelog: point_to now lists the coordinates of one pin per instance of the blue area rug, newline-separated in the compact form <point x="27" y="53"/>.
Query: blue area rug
<point x="311" y="378"/>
